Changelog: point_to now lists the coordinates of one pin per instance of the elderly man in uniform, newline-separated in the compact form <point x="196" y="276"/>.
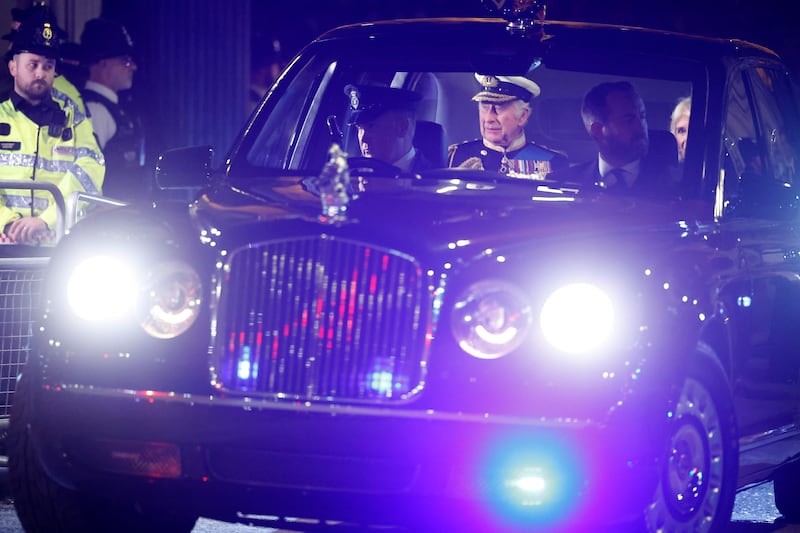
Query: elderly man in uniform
<point x="386" y="121"/>
<point x="503" y="111"/>
<point x="42" y="138"/>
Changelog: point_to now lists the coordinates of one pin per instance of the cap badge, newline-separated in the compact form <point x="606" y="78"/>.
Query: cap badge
<point x="354" y="102"/>
<point x="489" y="81"/>
<point x="47" y="31"/>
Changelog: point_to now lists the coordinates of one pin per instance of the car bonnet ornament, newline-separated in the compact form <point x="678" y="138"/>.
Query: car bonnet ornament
<point x="333" y="186"/>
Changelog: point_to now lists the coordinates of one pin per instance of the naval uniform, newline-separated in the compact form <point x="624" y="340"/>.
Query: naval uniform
<point x="523" y="159"/>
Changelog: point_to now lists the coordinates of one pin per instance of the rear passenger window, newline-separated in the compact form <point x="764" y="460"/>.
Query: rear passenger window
<point x="761" y="142"/>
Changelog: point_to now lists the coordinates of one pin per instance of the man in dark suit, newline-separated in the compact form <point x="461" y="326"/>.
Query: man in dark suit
<point x="613" y="114"/>
<point x="385" y="118"/>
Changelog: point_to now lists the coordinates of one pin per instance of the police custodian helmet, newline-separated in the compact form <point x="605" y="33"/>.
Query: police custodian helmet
<point x="37" y="34"/>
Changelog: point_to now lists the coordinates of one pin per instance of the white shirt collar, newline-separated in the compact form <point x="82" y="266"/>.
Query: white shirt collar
<point x="631" y="169"/>
<point x="404" y="163"/>
<point x="102" y="90"/>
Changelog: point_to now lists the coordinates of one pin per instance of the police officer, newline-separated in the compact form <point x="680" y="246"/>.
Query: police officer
<point x="109" y="54"/>
<point x="41" y="138"/>
<point x="63" y="86"/>
<point x="503" y="111"/>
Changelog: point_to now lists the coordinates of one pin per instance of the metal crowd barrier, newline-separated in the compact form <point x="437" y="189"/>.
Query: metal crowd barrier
<point x="21" y="272"/>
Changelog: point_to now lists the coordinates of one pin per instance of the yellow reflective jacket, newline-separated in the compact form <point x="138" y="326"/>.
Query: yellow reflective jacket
<point x="72" y="160"/>
<point x="63" y="89"/>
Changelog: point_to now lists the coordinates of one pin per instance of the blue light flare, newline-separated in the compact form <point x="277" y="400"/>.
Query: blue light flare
<point x="383" y="379"/>
<point x="246" y="370"/>
<point x="533" y="481"/>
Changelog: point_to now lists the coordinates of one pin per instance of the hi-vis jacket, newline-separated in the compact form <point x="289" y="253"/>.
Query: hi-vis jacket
<point x="70" y="159"/>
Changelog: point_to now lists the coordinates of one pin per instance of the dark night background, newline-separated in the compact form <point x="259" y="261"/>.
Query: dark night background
<point x="195" y="55"/>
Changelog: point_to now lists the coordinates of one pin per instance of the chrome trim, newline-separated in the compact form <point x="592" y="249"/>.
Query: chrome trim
<point x="261" y="404"/>
<point x="332" y="329"/>
<point x="751" y="442"/>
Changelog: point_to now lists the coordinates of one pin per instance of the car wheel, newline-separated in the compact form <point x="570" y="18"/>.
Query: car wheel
<point x="44" y="506"/>
<point x="787" y="491"/>
<point x="697" y="473"/>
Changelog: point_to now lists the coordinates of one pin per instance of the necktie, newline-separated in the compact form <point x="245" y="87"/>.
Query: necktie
<point x="615" y="179"/>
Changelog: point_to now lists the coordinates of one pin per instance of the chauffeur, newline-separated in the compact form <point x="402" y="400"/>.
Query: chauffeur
<point x="504" y="109"/>
<point x="385" y="118"/>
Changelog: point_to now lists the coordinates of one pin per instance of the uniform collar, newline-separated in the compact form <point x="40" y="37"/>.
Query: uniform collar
<point x="516" y="144"/>
<point x="44" y="113"/>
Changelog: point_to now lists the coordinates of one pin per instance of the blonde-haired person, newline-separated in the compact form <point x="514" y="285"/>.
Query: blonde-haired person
<point x="679" y="124"/>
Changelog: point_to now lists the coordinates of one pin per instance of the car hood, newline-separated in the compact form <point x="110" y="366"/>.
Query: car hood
<point x="414" y="213"/>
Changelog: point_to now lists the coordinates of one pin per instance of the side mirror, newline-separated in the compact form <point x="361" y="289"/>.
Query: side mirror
<point x="184" y="168"/>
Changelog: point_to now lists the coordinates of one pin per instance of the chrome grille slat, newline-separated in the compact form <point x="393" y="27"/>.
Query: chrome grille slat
<point x="324" y="319"/>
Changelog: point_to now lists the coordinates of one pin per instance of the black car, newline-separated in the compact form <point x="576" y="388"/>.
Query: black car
<point x="321" y="340"/>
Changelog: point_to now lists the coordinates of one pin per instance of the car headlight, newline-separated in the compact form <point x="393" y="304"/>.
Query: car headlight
<point x="170" y="300"/>
<point x="491" y="319"/>
<point x="577" y="318"/>
<point x="102" y="288"/>
<point x="165" y="300"/>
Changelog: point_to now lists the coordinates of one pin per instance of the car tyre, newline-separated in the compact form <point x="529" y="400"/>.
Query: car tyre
<point x="699" y="466"/>
<point x="43" y="506"/>
<point x="787" y="491"/>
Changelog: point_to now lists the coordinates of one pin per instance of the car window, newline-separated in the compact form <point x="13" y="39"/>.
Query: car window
<point x="776" y="112"/>
<point x="288" y="122"/>
<point x="759" y="150"/>
<point x="313" y="110"/>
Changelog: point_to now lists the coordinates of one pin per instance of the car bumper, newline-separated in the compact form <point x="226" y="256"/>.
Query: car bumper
<point x="232" y="458"/>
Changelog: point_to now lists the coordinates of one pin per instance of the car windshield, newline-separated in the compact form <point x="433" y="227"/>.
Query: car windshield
<point x="309" y="108"/>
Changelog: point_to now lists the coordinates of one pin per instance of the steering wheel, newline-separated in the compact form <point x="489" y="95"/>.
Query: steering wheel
<point x="372" y="167"/>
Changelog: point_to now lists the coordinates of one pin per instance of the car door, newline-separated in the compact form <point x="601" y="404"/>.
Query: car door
<point x="760" y="187"/>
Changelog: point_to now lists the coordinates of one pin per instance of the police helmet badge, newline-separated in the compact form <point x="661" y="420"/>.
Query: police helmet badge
<point x="47" y="32"/>
<point x="354" y="100"/>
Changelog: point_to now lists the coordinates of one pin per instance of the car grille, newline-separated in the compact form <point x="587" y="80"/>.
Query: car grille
<point x="324" y="319"/>
<point x="19" y="302"/>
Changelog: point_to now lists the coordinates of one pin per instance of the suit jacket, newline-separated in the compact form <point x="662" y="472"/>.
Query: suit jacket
<point x="657" y="177"/>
